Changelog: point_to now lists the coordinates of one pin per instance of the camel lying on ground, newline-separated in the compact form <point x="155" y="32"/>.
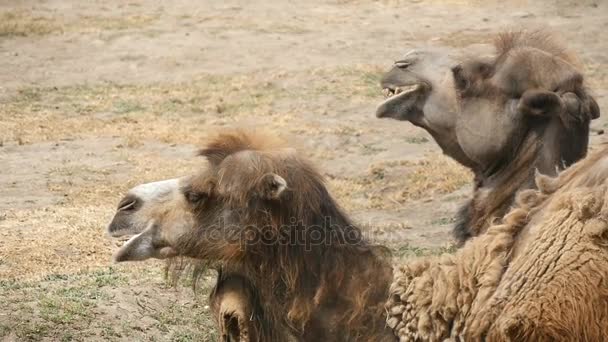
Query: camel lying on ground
<point x="540" y="275"/>
<point x="238" y="295"/>
<point x="262" y="211"/>
<point x="503" y="115"/>
<point x="292" y="262"/>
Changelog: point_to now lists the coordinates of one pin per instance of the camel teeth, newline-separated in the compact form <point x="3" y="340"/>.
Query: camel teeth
<point x="388" y="92"/>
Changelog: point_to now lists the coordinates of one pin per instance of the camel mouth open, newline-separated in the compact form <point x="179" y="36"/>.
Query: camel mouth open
<point x="390" y="92"/>
<point x="123" y="245"/>
<point x="120" y="243"/>
<point x="120" y="238"/>
<point x="137" y="246"/>
<point x="398" y="99"/>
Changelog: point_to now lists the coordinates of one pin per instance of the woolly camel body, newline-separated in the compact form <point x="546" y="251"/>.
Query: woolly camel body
<point x="540" y="275"/>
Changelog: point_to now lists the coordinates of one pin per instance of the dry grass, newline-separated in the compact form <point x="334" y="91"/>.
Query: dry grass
<point x="596" y="75"/>
<point x="168" y="113"/>
<point x="109" y="304"/>
<point x="21" y="24"/>
<point x="435" y="175"/>
<point x="394" y="184"/>
<point x="173" y="113"/>
<point x="25" y="23"/>
<point x="54" y="255"/>
<point x="69" y="235"/>
<point x="466" y="3"/>
<point x="360" y="81"/>
<point x="98" y="23"/>
<point x="464" y="39"/>
<point x="218" y="24"/>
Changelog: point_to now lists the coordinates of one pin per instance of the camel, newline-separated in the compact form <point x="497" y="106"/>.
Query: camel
<point x="291" y="259"/>
<point x="532" y="120"/>
<point x="239" y="293"/>
<point x="539" y="275"/>
<point x="293" y="263"/>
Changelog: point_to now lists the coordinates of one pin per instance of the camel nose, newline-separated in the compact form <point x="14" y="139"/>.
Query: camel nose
<point x="129" y="203"/>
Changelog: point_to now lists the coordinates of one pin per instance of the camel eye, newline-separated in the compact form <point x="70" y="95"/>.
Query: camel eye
<point x="194" y="197"/>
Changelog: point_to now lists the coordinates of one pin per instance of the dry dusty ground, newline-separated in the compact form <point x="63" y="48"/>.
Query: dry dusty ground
<point x="97" y="96"/>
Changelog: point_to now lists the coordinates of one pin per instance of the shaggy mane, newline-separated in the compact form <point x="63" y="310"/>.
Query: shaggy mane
<point x="539" y="39"/>
<point x="291" y="281"/>
<point x="228" y="142"/>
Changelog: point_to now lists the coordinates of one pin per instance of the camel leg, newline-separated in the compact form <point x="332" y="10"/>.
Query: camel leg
<point x="232" y="306"/>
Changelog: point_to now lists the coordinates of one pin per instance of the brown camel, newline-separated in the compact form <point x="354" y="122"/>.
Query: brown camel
<point x="539" y="275"/>
<point x="292" y="261"/>
<point x="531" y="120"/>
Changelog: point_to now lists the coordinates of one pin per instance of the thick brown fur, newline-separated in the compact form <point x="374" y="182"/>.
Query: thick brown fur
<point x="524" y="60"/>
<point x="540" y="275"/>
<point x="328" y="286"/>
<point x="557" y="111"/>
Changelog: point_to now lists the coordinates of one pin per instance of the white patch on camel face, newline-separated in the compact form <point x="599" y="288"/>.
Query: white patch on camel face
<point x="154" y="190"/>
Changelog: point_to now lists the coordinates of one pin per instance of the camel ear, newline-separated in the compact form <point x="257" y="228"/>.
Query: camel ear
<point x="271" y="186"/>
<point x="460" y="81"/>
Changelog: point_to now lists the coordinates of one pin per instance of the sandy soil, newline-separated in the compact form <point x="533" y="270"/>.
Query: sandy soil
<point x="98" y="96"/>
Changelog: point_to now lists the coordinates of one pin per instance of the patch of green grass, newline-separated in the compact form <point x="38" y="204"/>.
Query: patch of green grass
<point x="171" y="113"/>
<point x="190" y="336"/>
<point x="368" y="149"/>
<point x="109" y="277"/>
<point x="443" y="221"/>
<point x="68" y="336"/>
<point x="416" y="140"/>
<point x="11" y="285"/>
<point x="352" y="82"/>
<point x="4" y="329"/>
<point x="108" y="303"/>
<point x="371" y="80"/>
<point x="109" y="332"/>
<point x="127" y="106"/>
<point x="34" y="332"/>
<point x="66" y="308"/>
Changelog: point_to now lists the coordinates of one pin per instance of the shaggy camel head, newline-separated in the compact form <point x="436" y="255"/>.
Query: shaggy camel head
<point x="246" y="185"/>
<point x="264" y="215"/>
<point x="538" y="90"/>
